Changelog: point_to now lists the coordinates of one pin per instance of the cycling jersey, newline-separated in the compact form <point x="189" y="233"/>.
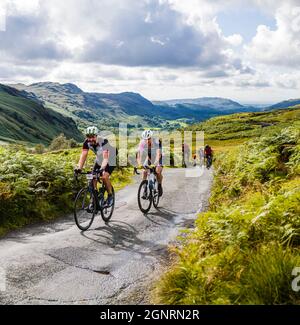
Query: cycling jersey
<point x="208" y="151"/>
<point x="149" y="152"/>
<point x="99" y="148"/>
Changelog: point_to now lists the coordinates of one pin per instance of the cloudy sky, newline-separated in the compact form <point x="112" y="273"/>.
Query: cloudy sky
<point x="247" y="50"/>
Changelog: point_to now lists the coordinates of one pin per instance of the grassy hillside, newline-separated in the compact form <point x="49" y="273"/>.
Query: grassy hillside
<point x="224" y="132"/>
<point x="244" y="248"/>
<point x="40" y="187"/>
<point x="25" y="120"/>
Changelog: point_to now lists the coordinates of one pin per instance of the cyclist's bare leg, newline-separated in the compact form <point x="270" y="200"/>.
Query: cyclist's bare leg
<point x="107" y="183"/>
<point x="95" y="184"/>
<point x="159" y="170"/>
<point x="145" y="174"/>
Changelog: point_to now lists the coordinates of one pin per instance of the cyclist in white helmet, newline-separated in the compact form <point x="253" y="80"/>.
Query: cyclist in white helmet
<point x="105" y="158"/>
<point x="150" y="153"/>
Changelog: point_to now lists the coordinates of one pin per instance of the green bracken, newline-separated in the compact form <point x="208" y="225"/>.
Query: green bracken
<point x="244" y="248"/>
<point x="35" y="187"/>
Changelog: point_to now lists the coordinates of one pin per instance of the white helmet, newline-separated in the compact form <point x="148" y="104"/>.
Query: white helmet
<point x="91" y="131"/>
<point x="147" y="134"/>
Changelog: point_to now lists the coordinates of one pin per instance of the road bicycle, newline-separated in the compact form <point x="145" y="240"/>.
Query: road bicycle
<point x="89" y="202"/>
<point x="148" y="190"/>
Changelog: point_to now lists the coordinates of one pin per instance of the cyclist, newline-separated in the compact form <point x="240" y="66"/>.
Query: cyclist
<point x="105" y="158"/>
<point x="201" y="156"/>
<point x="150" y="152"/>
<point x="208" y="153"/>
<point x="194" y="160"/>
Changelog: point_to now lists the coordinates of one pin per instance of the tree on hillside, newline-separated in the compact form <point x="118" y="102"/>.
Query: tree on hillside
<point x="61" y="142"/>
<point x="39" y="148"/>
<point x="73" y="143"/>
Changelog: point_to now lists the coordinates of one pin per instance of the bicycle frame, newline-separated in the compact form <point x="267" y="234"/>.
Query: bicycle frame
<point x="151" y="176"/>
<point x="90" y="183"/>
<point x="148" y="191"/>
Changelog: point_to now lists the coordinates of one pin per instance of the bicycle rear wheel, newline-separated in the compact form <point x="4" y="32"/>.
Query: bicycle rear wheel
<point x="146" y="202"/>
<point x="85" y="209"/>
<point x="107" y="212"/>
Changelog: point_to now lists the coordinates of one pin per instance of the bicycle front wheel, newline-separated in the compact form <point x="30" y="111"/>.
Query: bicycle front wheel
<point x="107" y="211"/>
<point x="155" y="196"/>
<point x="144" y="197"/>
<point x="85" y="208"/>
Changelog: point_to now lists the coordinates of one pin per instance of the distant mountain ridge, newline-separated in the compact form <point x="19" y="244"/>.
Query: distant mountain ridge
<point x="285" y="104"/>
<point x="91" y="107"/>
<point x="108" y="110"/>
<point x="57" y="106"/>
<point x="212" y="102"/>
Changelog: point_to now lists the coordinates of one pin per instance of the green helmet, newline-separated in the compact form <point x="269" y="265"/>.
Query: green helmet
<point x="91" y="131"/>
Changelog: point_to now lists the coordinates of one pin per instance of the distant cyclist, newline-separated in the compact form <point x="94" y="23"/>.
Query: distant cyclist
<point x="105" y="158"/>
<point x="201" y="156"/>
<point x="150" y="153"/>
<point x="194" y="160"/>
<point x="208" y="154"/>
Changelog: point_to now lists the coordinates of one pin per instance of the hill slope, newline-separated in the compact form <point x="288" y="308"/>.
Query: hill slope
<point x="284" y="104"/>
<point x="22" y="119"/>
<point x="244" y="248"/>
<point x="237" y="128"/>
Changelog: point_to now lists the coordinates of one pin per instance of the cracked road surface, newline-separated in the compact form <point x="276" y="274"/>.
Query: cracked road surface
<point x="115" y="263"/>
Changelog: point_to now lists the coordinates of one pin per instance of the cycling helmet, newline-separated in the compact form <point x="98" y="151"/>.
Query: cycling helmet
<point x="91" y="131"/>
<point x="147" y="134"/>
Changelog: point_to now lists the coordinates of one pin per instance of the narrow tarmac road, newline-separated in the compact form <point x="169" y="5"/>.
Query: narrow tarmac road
<point x="115" y="263"/>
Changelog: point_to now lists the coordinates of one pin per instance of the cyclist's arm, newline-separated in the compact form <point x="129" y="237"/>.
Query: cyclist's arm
<point x="83" y="157"/>
<point x="105" y="159"/>
<point x="140" y="150"/>
<point x="138" y="158"/>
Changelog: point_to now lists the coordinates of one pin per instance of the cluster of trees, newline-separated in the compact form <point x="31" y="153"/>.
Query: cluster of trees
<point x="58" y="143"/>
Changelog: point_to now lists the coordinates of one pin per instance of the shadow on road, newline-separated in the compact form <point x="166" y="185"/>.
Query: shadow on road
<point x="179" y="219"/>
<point x="120" y="235"/>
<point x="161" y="214"/>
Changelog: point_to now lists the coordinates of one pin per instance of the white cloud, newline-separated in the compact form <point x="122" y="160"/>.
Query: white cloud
<point x="157" y="40"/>
<point x="148" y="18"/>
<point x="281" y="46"/>
<point x="22" y="6"/>
<point x="146" y="33"/>
<point x="234" y="40"/>
<point x="156" y="33"/>
<point x="161" y="48"/>
<point x="287" y="81"/>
